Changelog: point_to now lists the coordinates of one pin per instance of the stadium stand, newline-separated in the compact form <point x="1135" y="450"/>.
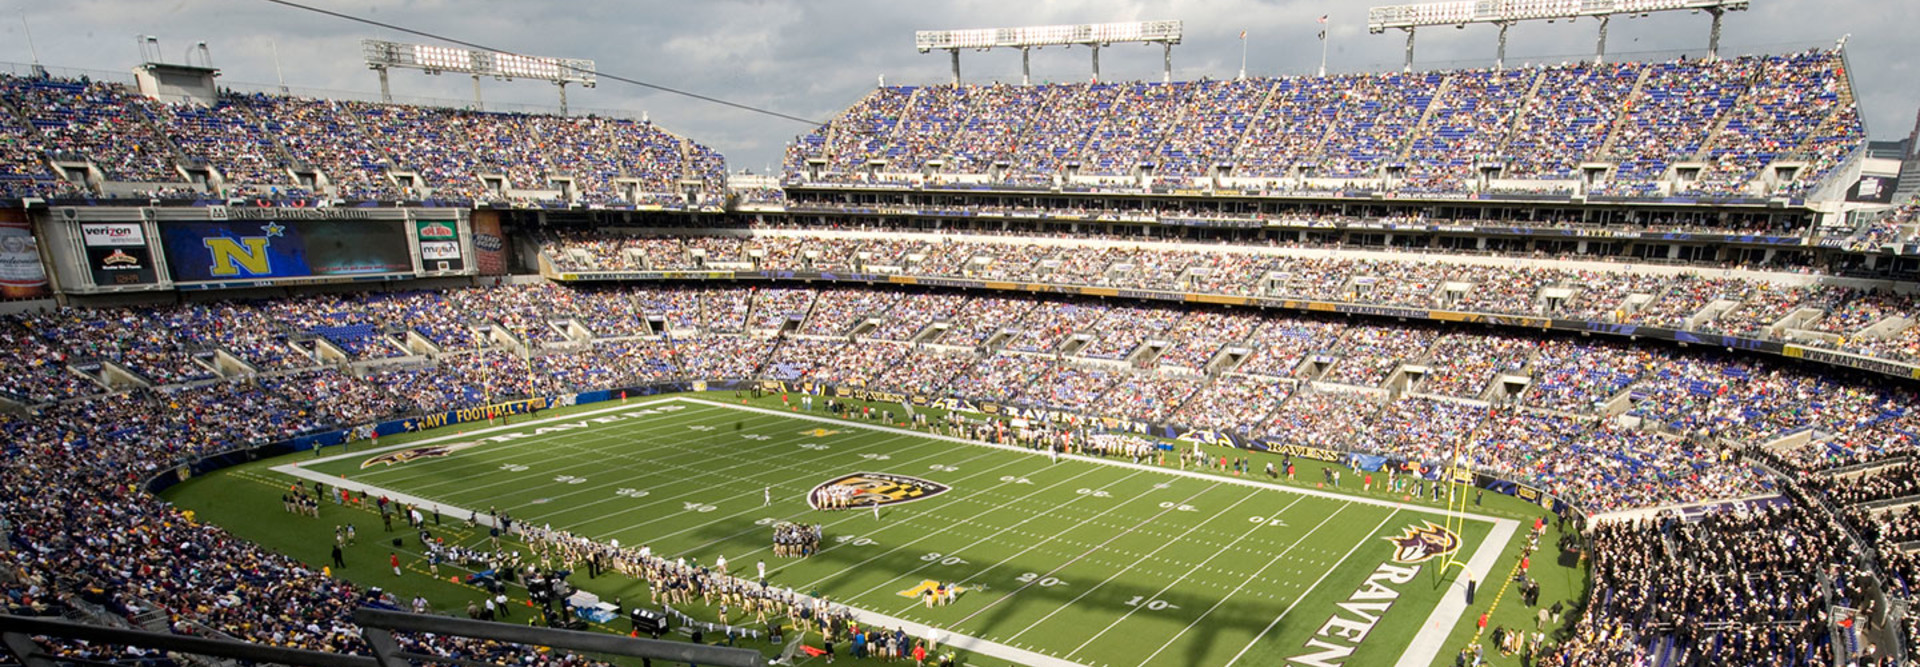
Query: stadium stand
<point x="255" y="145"/>
<point x="1412" y="133"/>
<point x="114" y="395"/>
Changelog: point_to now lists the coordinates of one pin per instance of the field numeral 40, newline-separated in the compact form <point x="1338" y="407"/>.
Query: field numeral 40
<point x="1154" y="605"/>
<point x="631" y="493"/>
<point x="570" y="479"/>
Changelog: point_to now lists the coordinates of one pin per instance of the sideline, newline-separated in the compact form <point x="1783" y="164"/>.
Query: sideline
<point x="962" y="642"/>
<point x="1423" y="649"/>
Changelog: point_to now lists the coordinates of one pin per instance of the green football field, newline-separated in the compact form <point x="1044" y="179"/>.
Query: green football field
<point x="1086" y="561"/>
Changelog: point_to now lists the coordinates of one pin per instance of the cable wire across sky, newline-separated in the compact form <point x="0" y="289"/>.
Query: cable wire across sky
<point x="603" y="75"/>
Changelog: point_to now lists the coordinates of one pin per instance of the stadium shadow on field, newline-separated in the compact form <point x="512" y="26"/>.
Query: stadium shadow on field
<point x="1245" y="615"/>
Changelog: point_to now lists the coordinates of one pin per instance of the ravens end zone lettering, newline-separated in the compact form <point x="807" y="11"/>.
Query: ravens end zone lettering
<point x="1347" y="628"/>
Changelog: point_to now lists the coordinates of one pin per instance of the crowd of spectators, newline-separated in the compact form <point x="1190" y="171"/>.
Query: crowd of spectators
<point x="1413" y="132"/>
<point x="276" y="146"/>
<point x="1861" y="320"/>
<point x="1731" y="588"/>
<point x="1694" y="412"/>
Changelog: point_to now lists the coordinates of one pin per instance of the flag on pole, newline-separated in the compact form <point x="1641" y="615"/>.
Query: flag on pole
<point x="1243" y="34"/>
<point x="1323" y="19"/>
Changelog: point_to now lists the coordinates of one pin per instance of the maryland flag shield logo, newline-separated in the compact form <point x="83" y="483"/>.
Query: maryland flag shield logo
<point x="1419" y="544"/>
<point x="876" y="488"/>
<point x="416" y="453"/>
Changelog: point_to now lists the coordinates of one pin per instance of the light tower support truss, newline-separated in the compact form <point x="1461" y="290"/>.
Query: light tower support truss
<point x="1505" y="13"/>
<point x="1092" y="35"/>
<point x="383" y="55"/>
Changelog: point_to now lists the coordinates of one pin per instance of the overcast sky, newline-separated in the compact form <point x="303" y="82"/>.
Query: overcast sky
<point x="815" y="58"/>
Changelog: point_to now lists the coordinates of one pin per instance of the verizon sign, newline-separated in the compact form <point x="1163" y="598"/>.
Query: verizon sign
<point x="113" y="234"/>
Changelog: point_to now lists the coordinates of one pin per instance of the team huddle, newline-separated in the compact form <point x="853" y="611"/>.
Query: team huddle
<point x="792" y="540"/>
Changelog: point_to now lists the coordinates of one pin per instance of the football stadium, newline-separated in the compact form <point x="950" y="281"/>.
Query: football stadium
<point x="1600" y="360"/>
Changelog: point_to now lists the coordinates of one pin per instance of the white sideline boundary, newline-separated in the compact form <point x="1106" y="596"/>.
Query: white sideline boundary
<point x="1421" y="650"/>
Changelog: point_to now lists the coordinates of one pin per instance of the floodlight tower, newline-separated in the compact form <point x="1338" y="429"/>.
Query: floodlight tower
<point x="1505" y="13"/>
<point x="1091" y="35"/>
<point x="383" y="55"/>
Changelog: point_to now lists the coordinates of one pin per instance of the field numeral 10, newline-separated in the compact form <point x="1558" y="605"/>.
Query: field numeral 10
<point x="1155" y="605"/>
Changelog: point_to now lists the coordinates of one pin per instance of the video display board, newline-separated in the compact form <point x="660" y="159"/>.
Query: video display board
<point x="239" y="249"/>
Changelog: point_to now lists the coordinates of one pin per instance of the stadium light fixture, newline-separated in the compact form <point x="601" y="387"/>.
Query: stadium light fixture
<point x="1505" y="13"/>
<point x="1092" y="35"/>
<point x="383" y="55"/>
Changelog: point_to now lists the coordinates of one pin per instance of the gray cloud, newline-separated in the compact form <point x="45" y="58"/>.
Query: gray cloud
<point x="815" y="58"/>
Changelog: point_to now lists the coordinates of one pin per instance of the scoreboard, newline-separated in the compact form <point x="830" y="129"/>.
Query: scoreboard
<point x="119" y="249"/>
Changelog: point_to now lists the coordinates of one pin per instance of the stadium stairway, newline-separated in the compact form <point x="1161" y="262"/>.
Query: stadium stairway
<point x="1631" y="101"/>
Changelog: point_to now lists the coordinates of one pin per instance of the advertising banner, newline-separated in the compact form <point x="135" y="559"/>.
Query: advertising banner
<point x="117" y="254"/>
<point x="252" y="249"/>
<point x="489" y="245"/>
<point x="22" y="276"/>
<point x="439" y="245"/>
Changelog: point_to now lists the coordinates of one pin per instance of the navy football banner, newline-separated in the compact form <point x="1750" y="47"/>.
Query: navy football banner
<point x="252" y="249"/>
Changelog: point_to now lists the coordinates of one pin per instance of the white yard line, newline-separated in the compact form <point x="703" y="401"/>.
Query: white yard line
<point x="1241" y="481"/>
<point x="1309" y="589"/>
<point x="943" y="529"/>
<point x="1163" y="590"/>
<point x="1250" y="579"/>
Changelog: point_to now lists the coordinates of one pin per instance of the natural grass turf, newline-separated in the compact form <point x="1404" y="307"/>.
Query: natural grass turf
<point x="1144" y="579"/>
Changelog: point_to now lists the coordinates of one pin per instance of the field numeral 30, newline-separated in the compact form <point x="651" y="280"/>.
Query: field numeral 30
<point x="1037" y="580"/>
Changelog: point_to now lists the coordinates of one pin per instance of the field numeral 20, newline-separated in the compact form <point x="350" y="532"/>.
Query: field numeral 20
<point x="1035" y="579"/>
<point x="1154" y="605"/>
<point x="513" y="467"/>
<point x="699" y="507"/>
<point x="570" y="479"/>
<point x="631" y="493"/>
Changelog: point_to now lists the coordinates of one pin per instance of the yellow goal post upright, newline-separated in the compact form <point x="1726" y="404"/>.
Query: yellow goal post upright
<point x="1458" y="477"/>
